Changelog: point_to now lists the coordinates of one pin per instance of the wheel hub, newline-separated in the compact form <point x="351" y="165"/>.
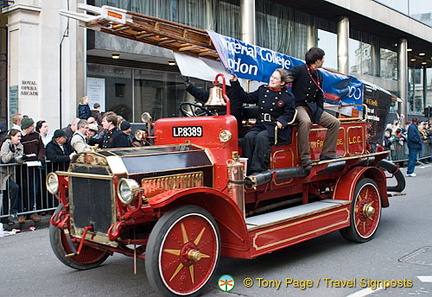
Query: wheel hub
<point x="368" y="210"/>
<point x="194" y="255"/>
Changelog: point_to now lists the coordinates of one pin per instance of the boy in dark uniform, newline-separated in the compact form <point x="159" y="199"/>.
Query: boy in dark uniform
<point x="111" y="136"/>
<point x="276" y="108"/>
<point x="309" y="99"/>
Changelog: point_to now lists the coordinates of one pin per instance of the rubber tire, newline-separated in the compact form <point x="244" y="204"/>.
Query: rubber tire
<point x="164" y="232"/>
<point x="88" y="258"/>
<point x="352" y="233"/>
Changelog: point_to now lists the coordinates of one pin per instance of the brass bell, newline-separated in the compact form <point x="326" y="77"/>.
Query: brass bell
<point x="215" y="97"/>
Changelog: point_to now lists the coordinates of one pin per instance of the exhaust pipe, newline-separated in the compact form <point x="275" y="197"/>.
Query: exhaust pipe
<point x="265" y="177"/>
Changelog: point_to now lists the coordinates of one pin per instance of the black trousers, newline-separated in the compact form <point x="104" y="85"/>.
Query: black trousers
<point x="15" y="201"/>
<point x="256" y="147"/>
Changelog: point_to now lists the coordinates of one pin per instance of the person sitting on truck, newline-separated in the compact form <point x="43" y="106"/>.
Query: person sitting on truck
<point x="307" y="88"/>
<point x="277" y="108"/>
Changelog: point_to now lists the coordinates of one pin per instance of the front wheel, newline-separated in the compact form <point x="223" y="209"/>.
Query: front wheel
<point x="365" y="212"/>
<point x="182" y="251"/>
<point x="60" y="244"/>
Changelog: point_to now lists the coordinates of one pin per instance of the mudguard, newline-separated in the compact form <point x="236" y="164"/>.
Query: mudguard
<point x="230" y="220"/>
<point x="344" y="188"/>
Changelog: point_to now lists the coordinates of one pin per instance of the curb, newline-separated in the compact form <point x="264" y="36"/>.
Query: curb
<point x="29" y="225"/>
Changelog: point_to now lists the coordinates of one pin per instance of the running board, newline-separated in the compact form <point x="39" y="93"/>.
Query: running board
<point x="272" y="231"/>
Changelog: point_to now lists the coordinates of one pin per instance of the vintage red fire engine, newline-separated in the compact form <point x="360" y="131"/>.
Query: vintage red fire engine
<point x="184" y="202"/>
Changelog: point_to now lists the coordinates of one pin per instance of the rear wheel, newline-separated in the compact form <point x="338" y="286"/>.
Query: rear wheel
<point x="87" y="259"/>
<point x="183" y="251"/>
<point x="365" y="212"/>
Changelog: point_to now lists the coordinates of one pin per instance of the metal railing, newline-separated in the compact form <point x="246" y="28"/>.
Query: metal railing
<point x="399" y="152"/>
<point x="33" y="195"/>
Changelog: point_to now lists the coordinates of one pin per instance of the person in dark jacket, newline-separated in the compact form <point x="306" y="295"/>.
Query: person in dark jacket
<point x="58" y="150"/>
<point x="277" y="109"/>
<point x="414" y="143"/>
<point x="32" y="141"/>
<point x="95" y="112"/>
<point x="34" y="151"/>
<point x="307" y="89"/>
<point x="111" y="136"/>
<point x="84" y="108"/>
<point x="70" y="129"/>
<point x="126" y="130"/>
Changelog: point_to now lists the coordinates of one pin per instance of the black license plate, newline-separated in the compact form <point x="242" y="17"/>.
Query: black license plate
<point x="188" y="131"/>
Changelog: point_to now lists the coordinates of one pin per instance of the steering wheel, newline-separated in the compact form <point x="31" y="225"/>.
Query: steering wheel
<point x="189" y="109"/>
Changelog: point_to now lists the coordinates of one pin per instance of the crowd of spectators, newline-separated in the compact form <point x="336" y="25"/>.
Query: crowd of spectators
<point x="396" y="140"/>
<point x="28" y="142"/>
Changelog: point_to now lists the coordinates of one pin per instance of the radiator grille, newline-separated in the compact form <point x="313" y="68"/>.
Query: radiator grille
<point x="92" y="203"/>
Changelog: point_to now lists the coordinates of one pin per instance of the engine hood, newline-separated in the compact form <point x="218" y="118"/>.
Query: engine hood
<point x="140" y="160"/>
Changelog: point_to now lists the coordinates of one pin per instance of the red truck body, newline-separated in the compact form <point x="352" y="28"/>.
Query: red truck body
<point x="184" y="202"/>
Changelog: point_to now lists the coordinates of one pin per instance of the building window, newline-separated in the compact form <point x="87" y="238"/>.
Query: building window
<point x="120" y="90"/>
<point x="130" y="92"/>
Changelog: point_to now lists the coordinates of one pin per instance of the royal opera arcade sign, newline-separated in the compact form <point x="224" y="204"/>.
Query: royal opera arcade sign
<point x="252" y="62"/>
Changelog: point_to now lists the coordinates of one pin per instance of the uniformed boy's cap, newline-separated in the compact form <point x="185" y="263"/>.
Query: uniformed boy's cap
<point x="125" y="125"/>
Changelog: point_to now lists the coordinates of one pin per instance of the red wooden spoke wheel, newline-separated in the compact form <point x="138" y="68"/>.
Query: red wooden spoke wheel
<point x="182" y="251"/>
<point x="60" y="244"/>
<point x="365" y="212"/>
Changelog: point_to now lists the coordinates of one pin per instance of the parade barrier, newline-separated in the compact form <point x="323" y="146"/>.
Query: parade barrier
<point x="399" y="153"/>
<point x="33" y="196"/>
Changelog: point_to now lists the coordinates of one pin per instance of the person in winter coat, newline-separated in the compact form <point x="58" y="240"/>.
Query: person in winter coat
<point x="34" y="151"/>
<point x="84" y="108"/>
<point x="58" y="150"/>
<point x="96" y="114"/>
<point x="414" y="145"/>
<point x="12" y="151"/>
<point x="307" y="89"/>
<point x="79" y="139"/>
<point x="277" y="108"/>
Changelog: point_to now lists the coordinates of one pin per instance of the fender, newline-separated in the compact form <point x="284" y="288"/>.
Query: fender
<point x="393" y="169"/>
<point x="344" y="188"/>
<point x="231" y="222"/>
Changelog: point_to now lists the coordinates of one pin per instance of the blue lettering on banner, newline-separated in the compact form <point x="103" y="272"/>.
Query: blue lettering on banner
<point x="252" y="62"/>
<point x="249" y="61"/>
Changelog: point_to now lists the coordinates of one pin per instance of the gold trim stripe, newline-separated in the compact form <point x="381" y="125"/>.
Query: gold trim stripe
<point x="84" y="175"/>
